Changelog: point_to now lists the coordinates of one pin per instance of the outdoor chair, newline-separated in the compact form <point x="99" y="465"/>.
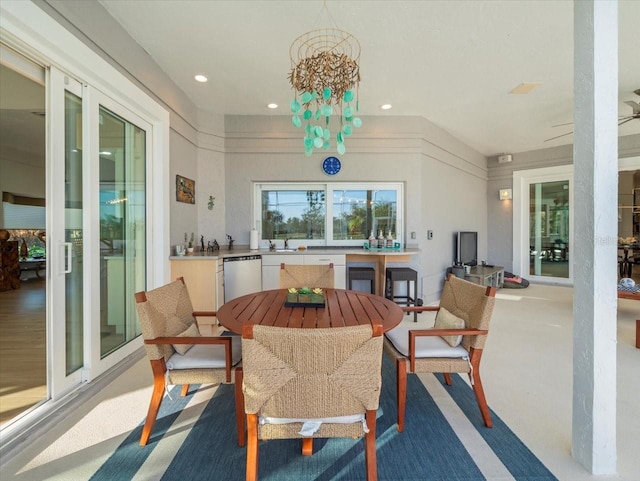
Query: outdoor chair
<point x="293" y="275"/>
<point x="311" y="383"/>
<point x="177" y="351"/>
<point x="455" y="343"/>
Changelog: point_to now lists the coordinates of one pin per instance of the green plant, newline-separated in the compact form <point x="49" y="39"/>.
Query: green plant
<point x="37" y="251"/>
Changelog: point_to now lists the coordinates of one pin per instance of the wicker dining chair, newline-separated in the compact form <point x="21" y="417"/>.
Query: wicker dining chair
<point x="293" y="275"/>
<point x="177" y="352"/>
<point x="311" y="383"/>
<point x="454" y="345"/>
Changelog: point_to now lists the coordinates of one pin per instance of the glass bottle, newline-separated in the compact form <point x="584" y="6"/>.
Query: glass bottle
<point x="389" y="240"/>
<point x="373" y="242"/>
<point x="381" y="240"/>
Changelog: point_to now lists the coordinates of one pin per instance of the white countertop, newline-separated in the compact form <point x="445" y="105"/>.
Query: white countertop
<point x="244" y="251"/>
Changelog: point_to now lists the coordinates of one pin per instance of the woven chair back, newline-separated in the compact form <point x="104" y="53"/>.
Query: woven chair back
<point x="311" y="373"/>
<point x="307" y="276"/>
<point x="166" y="312"/>
<point x="470" y="302"/>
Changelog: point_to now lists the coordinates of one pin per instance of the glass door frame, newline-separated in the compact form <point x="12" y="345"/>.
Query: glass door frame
<point x="97" y="99"/>
<point x="59" y="383"/>
<point x="521" y="218"/>
<point x="521" y="181"/>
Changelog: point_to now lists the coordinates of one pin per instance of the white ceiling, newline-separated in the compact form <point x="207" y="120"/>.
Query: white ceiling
<point x="452" y="62"/>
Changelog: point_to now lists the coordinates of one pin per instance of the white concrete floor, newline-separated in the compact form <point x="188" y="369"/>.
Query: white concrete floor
<point x="527" y="373"/>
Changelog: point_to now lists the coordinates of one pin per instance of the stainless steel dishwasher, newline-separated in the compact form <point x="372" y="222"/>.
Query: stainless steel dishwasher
<point x="242" y="275"/>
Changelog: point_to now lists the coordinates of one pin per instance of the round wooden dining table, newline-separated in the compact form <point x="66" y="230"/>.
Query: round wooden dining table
<point x="342" y="308"/>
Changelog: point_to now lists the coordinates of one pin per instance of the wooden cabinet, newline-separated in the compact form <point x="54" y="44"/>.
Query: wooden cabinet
<point x="219" y="283"/>
<point x="203" y="278"/>
<point x="9" y="265"/>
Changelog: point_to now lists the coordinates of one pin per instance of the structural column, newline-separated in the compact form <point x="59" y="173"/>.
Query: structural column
<point x="595" y="156"/>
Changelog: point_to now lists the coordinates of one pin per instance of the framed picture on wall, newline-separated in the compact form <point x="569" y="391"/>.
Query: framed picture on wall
<point x="185" y="190"/>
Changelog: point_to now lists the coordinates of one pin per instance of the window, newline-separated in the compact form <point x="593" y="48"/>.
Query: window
<point x="328" y="214"/>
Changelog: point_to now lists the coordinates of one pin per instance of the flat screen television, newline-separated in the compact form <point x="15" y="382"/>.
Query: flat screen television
<point x="466" y="248"/>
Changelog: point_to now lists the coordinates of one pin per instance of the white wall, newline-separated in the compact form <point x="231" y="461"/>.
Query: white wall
<point x="211" y="178"/>
<point x="445" y="181"/>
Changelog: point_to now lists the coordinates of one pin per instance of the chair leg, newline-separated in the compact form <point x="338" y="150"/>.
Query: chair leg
<point x="370" y="461"/>
<point x="401" y="391"/>
<point x="477" y="388"/>
<point x="240" y="415"/>
<point x="307" y="446"/>
<point x="158" y="367"/>
<point x="252" y="447"/>
<point x="185" y="390"/>
<point x="447" y="378"/>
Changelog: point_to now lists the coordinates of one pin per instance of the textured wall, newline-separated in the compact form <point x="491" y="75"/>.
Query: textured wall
<point x="445" y="180"/>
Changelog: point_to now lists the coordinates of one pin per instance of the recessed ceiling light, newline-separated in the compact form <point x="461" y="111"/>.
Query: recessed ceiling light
<point x="385" y="106"/>
<point x="525" y="88"/>
<point x="105" y="152"/>
<point x="201" y="78"/>
<point x="272" y="106"/>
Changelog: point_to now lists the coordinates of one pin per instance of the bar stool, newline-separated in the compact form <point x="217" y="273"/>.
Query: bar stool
<point x="363" y="274"/>
<point x="401" y="274"/>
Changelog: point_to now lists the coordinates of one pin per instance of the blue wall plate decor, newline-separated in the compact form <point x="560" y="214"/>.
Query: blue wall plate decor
<point x="331" y="165"/>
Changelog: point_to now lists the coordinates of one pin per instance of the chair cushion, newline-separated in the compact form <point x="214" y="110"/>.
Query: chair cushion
<point x="191" y="331"/>
<point x="426" y="346"/>
<point x="311" y="426"/>
<point x="206" y="356"/>
<point x="446" y="320"/>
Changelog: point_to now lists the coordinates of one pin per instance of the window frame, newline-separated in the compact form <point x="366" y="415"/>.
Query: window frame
<point x="329" y="188"/>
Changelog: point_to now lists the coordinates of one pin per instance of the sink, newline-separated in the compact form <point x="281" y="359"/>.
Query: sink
<point x="286" y="250"/>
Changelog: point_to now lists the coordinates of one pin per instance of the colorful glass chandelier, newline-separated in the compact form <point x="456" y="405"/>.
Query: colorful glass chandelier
<point x="325" y="77"/>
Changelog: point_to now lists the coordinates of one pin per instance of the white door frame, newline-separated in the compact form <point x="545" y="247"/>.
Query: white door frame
<point x="521" y="181"/>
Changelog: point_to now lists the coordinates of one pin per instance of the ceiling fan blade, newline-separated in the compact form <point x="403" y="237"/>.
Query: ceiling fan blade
<point x="634" y="105"/>
<point x="625" y="121"/>
<point x="562" y="125"/>
<point x="558" y="136"/>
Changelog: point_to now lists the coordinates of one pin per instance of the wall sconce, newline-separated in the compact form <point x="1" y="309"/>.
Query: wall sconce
<point x="505" y="194"/>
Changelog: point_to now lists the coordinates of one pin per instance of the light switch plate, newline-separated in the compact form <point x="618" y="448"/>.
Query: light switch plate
<point x="413" y="235"/>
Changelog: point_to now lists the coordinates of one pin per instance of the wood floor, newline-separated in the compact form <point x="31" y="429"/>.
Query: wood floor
<point x="22" y="348"/>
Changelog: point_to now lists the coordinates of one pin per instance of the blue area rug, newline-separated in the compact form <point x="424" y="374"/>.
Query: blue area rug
<point x="427" y="450"/>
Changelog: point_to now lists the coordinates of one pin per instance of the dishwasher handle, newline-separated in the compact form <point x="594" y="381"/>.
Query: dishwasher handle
<point x="242" y="258"/>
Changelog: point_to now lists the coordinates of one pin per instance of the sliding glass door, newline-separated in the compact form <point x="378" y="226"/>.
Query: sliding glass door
<point x="98" y="231"/>
<point x="122" y="227"/>
<point x="543" y="224"/>
<point x="23" y="248"/>
<point x="106" y="204"/>
<point x="549" y="229"/>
